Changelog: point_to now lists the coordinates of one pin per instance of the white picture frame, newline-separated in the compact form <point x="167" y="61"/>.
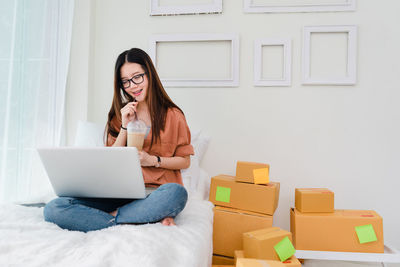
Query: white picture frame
<point x="349" y="5"/>
<point x="232" y="81"/>
<point x="351" y="77"/>
<point x="287" y="62"/>
<point x="157" y="10"/>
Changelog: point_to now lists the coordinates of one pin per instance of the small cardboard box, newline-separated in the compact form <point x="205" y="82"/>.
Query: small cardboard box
<point x="229" y="226"/>
<point x="260" y="244"/>
<point x="341" y="230"/>
<point x="252" y="172"/>
<point x="222" y="260"/>
<point x="314" y="200"/>
<point x="244" y="262"/>
<point x="225" y="191"/>
<point x="292" y="262"/>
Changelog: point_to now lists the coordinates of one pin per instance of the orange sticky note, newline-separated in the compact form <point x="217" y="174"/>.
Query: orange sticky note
<point x="261" y="176"/>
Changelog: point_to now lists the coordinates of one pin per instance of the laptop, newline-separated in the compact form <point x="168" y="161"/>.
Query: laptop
<point x="95" y="172"/>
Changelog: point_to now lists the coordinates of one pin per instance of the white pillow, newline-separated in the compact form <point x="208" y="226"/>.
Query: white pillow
<point x="194" y="134"/>
<point x="200" y="146"/>
<point x="191" y="175"/>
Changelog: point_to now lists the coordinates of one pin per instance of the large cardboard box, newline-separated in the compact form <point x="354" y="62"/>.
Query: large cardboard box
<point x="336" y="231"/>
<point x="314" y="200"/>
<point x="229" y="226"/>
<point x="292" y="262"/>
<point x="225" y="191"/>
<point x="222" y="260"/>
<point x="244" y="262"/>
<point x="260" y="244"/>
<point x="252" y="172"/>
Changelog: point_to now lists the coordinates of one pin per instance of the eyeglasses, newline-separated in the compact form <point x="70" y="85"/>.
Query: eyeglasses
<point x="137" y="79"/>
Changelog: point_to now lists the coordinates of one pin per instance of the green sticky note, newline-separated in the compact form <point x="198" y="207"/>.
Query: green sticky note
<point x="285" y="249"/>
<point x="366" y="233"/>
<point x="223" y="194"/>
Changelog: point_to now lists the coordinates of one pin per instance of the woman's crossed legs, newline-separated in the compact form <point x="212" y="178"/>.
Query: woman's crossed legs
<point x="89" y="214"/>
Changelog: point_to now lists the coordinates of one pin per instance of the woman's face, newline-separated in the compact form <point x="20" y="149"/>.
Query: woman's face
<point x="134" y="72"/>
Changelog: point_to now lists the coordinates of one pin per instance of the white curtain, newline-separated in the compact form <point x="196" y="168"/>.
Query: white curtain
<point x="34" y="56"/>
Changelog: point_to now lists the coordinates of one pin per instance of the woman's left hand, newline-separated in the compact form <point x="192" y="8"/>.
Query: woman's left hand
<point x="146" y="160"/>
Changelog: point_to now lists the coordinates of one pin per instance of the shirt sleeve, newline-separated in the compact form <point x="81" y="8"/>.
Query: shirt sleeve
<point x="184" y="147"/>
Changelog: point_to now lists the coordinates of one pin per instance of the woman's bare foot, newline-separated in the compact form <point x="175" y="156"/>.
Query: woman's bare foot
<point x="113" y="213"/>
<point x="168" y="221"/>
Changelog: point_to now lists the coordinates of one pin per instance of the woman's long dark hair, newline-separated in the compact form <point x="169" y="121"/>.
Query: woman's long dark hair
<point x="157" y="98"/>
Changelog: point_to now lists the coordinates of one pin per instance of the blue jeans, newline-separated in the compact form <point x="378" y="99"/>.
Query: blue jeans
<point x="89" y="214"/>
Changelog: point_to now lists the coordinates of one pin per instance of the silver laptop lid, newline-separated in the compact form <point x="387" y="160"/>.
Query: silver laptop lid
<point x="102" y="172"/>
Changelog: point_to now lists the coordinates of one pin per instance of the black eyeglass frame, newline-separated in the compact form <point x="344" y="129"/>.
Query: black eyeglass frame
<point x="131" y="81"/>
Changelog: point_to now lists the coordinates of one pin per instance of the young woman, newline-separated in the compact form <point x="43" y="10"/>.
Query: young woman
<point x="139" y="93"/>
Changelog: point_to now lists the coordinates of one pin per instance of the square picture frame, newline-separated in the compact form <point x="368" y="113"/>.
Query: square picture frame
<point x="351" y="77"/>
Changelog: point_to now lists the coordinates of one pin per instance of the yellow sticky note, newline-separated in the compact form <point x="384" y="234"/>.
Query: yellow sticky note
<point x="261" y="176"/>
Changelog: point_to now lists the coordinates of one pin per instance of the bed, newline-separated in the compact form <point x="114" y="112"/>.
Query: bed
<point x="27" y="240"/>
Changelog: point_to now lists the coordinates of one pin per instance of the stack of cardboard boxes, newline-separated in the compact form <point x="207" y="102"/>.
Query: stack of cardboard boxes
<point x="243" y="203"/>
<point x="243" y="234"/>
<point x="316" y="225"/>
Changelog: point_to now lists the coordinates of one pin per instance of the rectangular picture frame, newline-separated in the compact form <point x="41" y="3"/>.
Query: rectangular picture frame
<point x="287" y="62"/>
<point x="351" y="77"/>
<point x="233" y="81"/>
<point x="210" y="8"/>
<point x="349" y="5"/>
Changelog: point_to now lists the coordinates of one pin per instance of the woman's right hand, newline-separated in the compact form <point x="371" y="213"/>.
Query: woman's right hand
<point x="128" y="113"/>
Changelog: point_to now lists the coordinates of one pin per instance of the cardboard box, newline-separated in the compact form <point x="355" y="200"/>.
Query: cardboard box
<point x="292" y="262"/>
<point x="225" y="191"/>
<point x="229" y="226"/>
<point x="223" y="265"/>
<point x="314" y="200"/>
<point x="222" y="260"/>
<point x="336" y="231"/>
<point x="252" y="172"/>
<point x="260" y="244"/>
<point x="244" y="262"/>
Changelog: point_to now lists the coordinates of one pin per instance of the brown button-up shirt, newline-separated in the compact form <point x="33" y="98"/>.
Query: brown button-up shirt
<point x="174" y="142"/>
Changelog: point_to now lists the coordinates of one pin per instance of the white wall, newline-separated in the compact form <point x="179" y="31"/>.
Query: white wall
<point x="81" y="70"/>
<point x="345" y="138"/>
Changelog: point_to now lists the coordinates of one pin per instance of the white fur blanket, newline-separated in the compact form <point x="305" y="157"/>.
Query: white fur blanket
<point x="27" y="240"/>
